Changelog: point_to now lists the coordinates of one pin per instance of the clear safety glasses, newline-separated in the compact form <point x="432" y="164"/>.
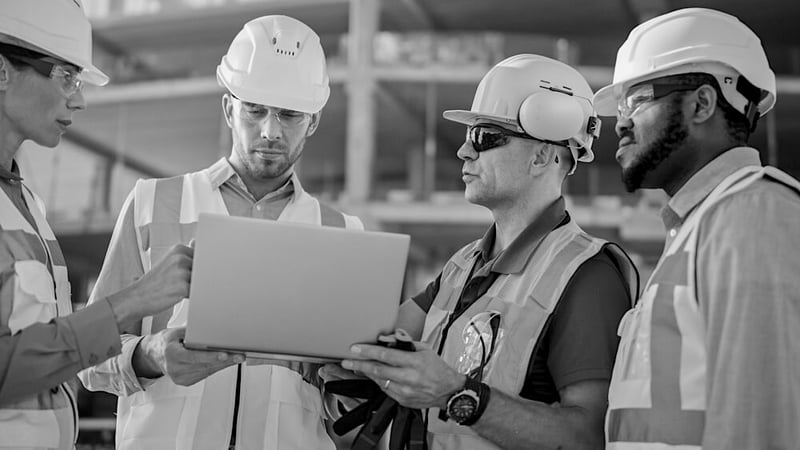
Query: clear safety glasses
<point x="68" y="79"/>
<point x="486" y="137"/>
<point x="642" y="94"/>
<point x="254" y="112"/>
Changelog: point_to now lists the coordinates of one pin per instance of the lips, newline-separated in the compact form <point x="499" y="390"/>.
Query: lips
<point x="64" y="123"/>
<point x="625" y="141"/>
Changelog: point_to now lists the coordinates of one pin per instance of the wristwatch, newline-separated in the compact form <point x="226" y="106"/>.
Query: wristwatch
<point x="466" y="406"/>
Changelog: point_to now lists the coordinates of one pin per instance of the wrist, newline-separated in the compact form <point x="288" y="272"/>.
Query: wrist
<point x="143" y="363"/>
<point x="467" y="405"/>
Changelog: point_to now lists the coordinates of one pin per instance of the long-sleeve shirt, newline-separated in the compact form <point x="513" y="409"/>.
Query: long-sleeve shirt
<point x="123" y="264"/>
<point x="44" y="355"/>
<point x="748" y="287"/>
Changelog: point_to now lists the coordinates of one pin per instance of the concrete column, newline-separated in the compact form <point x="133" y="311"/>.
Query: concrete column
<point x="360" y="87"/>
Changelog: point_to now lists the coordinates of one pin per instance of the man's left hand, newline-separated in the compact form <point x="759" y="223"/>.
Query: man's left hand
<point x="416" y="379"/>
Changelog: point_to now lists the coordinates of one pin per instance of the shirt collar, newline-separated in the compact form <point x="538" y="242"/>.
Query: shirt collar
<point x="514" y="258"/>
<point x="11" y="175"/>
<point x="704" y="181"/>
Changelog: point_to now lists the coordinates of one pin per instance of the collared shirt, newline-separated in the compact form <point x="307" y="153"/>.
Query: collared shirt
<point x="44" y="355"/>
<point x="123" y="263"/>
<point x="580" y="340"/>
<point x="748" y="287"/>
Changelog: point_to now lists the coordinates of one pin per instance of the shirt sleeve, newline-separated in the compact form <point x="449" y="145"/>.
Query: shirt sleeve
<point x="44" y="355"/>
<point x="425" y="298"/>
<point x="122" y="266"/>
<point x="748" y="287"/>
<point x="583" y="333"/>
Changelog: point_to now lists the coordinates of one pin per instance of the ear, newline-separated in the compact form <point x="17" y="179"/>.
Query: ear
<point x="312" y="127"/>
<point x="705" y="103"/>
<point x="5" y="73"/>
<point x="543" y="155"/>
<point x="227" y="108"/>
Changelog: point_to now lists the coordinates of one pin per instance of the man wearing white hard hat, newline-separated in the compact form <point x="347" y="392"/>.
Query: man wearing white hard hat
<point x="519" y="328"/>
<point x="709" y="356"/>
<point x="173" y="398"/>
<point x="45" y="57"/>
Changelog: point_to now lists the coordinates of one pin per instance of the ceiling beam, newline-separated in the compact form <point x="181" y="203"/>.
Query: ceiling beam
<point x="106" y="151"/>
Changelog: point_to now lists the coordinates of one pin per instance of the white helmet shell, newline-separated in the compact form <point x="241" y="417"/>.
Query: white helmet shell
<point x="540" y="96"/>
<point x="686" y="41"/>
<point x="276" y="61"/>
<point x="56" y="27"/>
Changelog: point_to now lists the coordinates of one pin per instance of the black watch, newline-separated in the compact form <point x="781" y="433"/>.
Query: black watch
<point x="466" y="405"/>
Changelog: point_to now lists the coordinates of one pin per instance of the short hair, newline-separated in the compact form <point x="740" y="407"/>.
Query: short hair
<point x="736" y="122"/>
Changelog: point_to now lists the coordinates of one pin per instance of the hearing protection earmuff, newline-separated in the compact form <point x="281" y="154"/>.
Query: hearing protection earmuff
<point x="557" y="114"/>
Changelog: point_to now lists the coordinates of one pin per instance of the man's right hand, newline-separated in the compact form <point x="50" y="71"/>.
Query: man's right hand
<point x="163" y="286"/>
<point x="163" y="353"/>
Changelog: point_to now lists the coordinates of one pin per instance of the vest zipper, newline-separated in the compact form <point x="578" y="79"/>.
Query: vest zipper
<point x="232" y="444"/>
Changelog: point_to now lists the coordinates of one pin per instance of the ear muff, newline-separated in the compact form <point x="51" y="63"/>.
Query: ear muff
<point x="552" y="116"/>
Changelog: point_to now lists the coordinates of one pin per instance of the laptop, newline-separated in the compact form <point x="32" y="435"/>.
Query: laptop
<point x="291" y="291"/>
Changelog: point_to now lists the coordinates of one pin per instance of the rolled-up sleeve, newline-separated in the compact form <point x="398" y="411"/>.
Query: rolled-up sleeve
<point x="122" y="266"/>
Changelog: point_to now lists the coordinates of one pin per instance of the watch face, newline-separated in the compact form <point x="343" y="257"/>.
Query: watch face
<point x="462" y="407"/>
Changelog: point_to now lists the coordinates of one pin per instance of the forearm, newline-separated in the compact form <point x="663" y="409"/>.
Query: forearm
<point x="44" y="355"/>
<point x="118" y="375"/>
<point x="514" y="423"/>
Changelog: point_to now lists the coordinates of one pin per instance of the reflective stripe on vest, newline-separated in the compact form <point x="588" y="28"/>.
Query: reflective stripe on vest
<point x="46" y="419"/>
<point x="523" y="301"/>
<point x="278" y="408"/>
<point x="657" y="397"/>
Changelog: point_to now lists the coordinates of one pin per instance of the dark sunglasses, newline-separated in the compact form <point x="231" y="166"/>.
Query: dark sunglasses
<point x="486" y="137"/>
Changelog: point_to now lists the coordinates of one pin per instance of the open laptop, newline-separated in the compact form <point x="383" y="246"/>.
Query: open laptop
<point x="291" y="291"/>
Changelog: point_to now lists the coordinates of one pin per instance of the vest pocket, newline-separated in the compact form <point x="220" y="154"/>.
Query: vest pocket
<point x="34" y="299"/>
<point x="294" y="416"/>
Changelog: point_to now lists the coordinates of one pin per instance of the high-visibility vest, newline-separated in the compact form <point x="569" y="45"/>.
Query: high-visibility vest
<point x="277" y="408"/>
<point x="47" y="419"/>
<point x="657" y="397"/>
<point x="523" y="301"/>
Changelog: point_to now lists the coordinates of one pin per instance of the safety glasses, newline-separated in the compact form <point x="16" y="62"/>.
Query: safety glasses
<point x="254" y="112"/>
<point x="484" y="137"/>
<point x="642" y="94"/>
<point x="68" y="79"/>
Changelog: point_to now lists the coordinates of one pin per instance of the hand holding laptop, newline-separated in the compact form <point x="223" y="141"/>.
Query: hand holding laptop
<point x="163" y="353"/>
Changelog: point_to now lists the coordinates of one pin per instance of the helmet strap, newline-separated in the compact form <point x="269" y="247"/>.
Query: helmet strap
<point x="753" y="95"/>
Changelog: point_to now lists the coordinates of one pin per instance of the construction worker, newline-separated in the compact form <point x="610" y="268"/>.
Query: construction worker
<point x="173" y="398"/>
<point x="519" y="328"/>
<point x="45" y="57"/>
<point x="709" y="356"/>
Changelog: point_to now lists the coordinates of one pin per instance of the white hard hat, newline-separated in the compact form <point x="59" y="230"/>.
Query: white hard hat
<point x="56" y="27"/>
<point x="276" y="61"/>
<point x="542" y="97"/>
<point x="694" y="40"/>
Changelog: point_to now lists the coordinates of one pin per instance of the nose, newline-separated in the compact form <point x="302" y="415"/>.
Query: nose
<point x="76" y="101"/>
<point x="623" y="124"/>
<point x="466" y="152"/>
<point x="271" y="128"/>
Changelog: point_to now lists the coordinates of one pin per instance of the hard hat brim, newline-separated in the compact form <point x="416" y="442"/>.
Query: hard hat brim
<point x="94" y="76"/>
<point x="606" y="99"/>
<point x="471" y="118"/>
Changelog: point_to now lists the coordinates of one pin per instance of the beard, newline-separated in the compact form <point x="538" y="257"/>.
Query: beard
<point x="669" y="140"/>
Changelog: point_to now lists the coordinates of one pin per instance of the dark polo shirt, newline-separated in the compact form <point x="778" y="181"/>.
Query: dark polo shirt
<point x="579" y="341"/>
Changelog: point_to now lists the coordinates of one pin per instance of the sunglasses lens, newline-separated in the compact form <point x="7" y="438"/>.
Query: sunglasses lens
<point x="485" y="138"/>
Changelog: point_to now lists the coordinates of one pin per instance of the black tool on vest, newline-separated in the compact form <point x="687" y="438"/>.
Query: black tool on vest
<point x="379" y="410"/>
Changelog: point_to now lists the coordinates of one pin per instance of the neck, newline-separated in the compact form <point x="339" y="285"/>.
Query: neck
<point x="258" y="188"/>
<point x="511" y="219"/>
<point x="9" y="144"/>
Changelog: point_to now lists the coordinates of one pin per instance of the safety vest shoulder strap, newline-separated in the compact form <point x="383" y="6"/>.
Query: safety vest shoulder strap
<point x="331" y="217"/>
